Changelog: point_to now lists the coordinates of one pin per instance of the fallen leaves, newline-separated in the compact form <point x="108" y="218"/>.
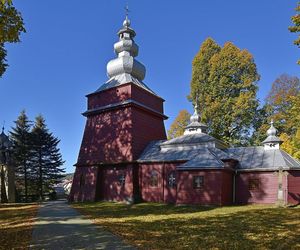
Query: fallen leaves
<point x="16" y="222"/>
<point x="161" y="226"/>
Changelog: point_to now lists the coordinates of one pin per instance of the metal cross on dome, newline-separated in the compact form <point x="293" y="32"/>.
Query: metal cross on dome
<point x="126" y="10"/>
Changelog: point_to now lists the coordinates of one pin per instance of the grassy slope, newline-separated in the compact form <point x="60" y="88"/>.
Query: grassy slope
<point x="16" y="225"/>
<point x="159" y="226"/>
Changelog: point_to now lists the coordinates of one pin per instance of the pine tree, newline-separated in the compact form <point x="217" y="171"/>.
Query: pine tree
<point x="179" y="124"/>
<point x="47" y="160"/>
<point x="20" y="136"/>
<point x="225" y="82"/>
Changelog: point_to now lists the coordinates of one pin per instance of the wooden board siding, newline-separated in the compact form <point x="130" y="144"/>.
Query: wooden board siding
<point x="86" y="191"/>
<point x="294" y="187"/>
<point x="161" y="193"/>
<point x="226" y="191"/>
<point x="210" y="194"/>
<point x="149" y="193"/>
<point x="120" y="134"/>
<point x="111" y="188"/>
<point x="146" y="128"/>
<point x="107" y="137"/>
<point x="267" y="192"/>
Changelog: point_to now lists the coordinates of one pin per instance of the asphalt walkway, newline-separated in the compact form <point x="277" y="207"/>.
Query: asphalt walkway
<point x="59" y="226"/>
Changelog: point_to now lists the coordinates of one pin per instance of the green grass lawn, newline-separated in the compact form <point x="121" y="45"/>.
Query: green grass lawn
<point x="160" y="226"/>
<point x="16" y="225"/>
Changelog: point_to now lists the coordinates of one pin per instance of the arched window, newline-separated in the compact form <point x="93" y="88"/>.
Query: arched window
<point x="172" y="180"/>
<point x="154" y="178"/>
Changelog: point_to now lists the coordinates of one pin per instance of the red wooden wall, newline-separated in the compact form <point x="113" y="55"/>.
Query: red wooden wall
<point x="294" y="187"/>
<point x="267" y="192"/>
<point x="86" y="192"/>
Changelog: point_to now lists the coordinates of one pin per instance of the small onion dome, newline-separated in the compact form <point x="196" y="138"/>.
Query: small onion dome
<point x="195" y="125"/>
<point x="272" y="138"/>
<point x="126" y="29"/>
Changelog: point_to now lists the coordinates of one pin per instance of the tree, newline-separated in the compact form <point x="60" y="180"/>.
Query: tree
<point x="47" y="161"/>
<point x="282" y="98"/>
<point x="201" y="68"/>
<point x="179" y="124"/>
<point x="11" y="27"/>
<point x="226" y="91"/>
<point x="296" y="27"/>
<point x="283" y="106"/>
<point x="21" y="140"/>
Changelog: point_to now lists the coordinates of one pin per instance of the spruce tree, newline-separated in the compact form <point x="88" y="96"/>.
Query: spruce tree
<point x="47" y="160"/>
<point x="21" y="139"/>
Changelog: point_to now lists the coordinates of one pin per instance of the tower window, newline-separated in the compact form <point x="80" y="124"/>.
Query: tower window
<point x="172" y="180"/>
<point x="154" y="179"/>
<point x="198" y="181"/>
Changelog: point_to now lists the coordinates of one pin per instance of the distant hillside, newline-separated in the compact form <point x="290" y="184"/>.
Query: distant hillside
<point x="68" y="176"/>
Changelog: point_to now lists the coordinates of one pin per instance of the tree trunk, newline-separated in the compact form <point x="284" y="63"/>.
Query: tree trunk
<point x="3" y="189"/>
<point x="25" y="181"/>
<point x="40" y="176"/>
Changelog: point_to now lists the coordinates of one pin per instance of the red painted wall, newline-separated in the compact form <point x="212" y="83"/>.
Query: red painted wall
<point x="120" y="134"/>
<point x="161" y="193"/>
<point x="148" y="193"/>
<point x="210" y="194"/>
<point x="111" y="189"/>
<point x="117" y="135"/>
<point x="266" y="194"/>
<point x="227" y="186"/>
<point x="146" y="128"/>
<point x="293" y="187"/>
<point x="86" y="192"/>
<point x="107" y="138"/>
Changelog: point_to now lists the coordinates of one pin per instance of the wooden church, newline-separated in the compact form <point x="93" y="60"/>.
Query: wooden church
<point x="125" y="156"/>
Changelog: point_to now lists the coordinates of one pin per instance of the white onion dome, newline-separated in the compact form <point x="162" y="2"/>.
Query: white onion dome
<point x="195" y="125"/>
<point x="126" y="49"/>
<point x="272" y="130"/>
<point x="271" y="133"/>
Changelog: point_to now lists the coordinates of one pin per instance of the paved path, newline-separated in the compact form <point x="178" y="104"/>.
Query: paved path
<point x="59" y="226"/>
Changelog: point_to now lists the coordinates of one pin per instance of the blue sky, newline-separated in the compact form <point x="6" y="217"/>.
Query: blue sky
<point x="64" y="53"/>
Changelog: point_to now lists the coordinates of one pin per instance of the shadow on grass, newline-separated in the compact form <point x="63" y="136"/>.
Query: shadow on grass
<point x="118" y="210"/>
<point x="158" y="226"/>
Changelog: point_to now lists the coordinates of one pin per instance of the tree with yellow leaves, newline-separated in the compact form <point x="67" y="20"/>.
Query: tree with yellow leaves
<point x="296" y="27"/>
<point x="225" y="82"/>
<point x="179" y="124"/>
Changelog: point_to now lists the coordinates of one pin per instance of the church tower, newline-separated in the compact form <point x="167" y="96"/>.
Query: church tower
<point x="123" y="116"/>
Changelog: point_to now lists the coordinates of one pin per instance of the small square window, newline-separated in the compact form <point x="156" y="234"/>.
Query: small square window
<point x="253" y="184"/>
<point x="198" y="181"/>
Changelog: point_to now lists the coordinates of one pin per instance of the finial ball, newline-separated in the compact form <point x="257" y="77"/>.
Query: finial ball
<point x="126" y="22"/>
